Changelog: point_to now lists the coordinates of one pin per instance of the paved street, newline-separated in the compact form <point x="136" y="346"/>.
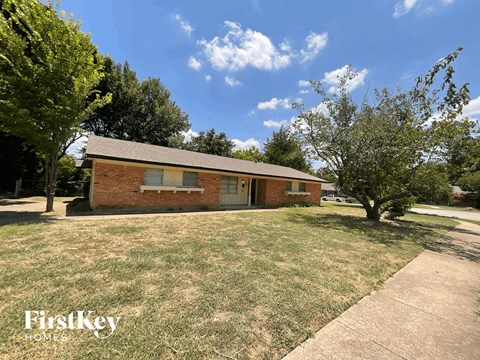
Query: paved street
<point x="449" y="213"/>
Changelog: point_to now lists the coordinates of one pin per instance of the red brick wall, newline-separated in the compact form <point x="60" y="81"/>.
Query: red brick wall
<point x="118" y="186"/>
<point x="275" y="194"/>
<point x="261" y="191"/>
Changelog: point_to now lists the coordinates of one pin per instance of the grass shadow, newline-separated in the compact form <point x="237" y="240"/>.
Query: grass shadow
<point x="24" y="217"/>
<point x="387" y="233"/>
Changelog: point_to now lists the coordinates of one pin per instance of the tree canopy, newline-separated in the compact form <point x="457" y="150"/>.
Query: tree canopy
<point x="252" y="154"/>
<point x="284" y="149"/>
<point x="209" y="142"/>
<point x="139" y="111"/>
<point x="48" y="69"/>
<point x="377" y="150"/>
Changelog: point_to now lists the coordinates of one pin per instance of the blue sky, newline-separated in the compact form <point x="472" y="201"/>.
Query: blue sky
<point x="237" y="65"/>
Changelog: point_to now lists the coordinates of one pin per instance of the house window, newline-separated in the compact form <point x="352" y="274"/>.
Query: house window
<point x="189" y="179"/>
<point x="229" y="185"/>
<point x="301" y="187"/>
<point x="153" y="177"/>
<point x="288" y="186"/>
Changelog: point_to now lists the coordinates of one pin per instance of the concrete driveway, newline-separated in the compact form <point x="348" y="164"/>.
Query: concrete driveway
<point x="449" y="213"/>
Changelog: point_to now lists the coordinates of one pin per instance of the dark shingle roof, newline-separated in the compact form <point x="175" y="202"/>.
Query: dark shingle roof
<point x="105" y="148"/>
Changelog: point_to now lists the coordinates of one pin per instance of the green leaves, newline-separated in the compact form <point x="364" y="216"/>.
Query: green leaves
<point x="377" y="150"/>
<point x="208" y="142"/>
<point x="285" y="150"/>
<point x="48" y="67"/>
<point x="138" y="111"/>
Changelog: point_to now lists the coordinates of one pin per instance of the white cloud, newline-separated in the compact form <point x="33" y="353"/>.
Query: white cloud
<point x="275" y="123"/>
<point x="251" y="112"/>
<point x="332" y="78"/>
<point x="244" y="48"/>
<point x="248" y="144"/>
<point x="241" y="48"/>
<point x="188" y="135"/>
<point x="274" y="103"/>
<point x="403" y="7"/>
<point x="303" y="83"/>
<point x="304" y="91"/>
<point x="184" y="24"/>
<point x="473" y="108"/>
<point x="315" y="43"/>
<point x="231" y="81"/>
<point x="194" y="63"/>
<point x="208" y="78"/>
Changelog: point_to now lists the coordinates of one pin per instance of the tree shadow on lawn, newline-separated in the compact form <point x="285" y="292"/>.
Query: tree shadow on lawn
<point x="24" y="217"/>
<point x="387" y="233"/>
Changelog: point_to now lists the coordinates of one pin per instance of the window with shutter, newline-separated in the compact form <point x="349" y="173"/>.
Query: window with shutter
<point x="153" y="177"/>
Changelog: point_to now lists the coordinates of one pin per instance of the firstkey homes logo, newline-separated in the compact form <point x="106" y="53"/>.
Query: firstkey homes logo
<point x="45" y="328"/>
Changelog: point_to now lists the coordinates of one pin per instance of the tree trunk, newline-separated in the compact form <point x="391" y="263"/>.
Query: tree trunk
<point x="51" y="179"/>
<point x="373" y="212"/>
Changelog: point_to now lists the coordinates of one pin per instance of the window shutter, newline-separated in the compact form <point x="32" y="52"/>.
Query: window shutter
<point x="153" y="177"/>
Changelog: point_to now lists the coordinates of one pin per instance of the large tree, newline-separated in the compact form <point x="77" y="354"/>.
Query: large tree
<point x="209" y="142"/>
<point x="376" y="149"/>
<point x="139" y="111"/>
<point x="48" y="68"/>
<point x="284" y="149"/>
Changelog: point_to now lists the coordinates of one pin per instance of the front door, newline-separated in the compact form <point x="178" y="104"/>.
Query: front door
<point x="253" y="192"/>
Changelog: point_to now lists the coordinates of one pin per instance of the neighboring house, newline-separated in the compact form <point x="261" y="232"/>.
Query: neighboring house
<point x="132" y="175"/>
<point x="328" y="189"/>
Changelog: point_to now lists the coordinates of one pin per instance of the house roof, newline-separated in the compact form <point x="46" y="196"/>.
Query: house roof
<point x="105" y="148"/>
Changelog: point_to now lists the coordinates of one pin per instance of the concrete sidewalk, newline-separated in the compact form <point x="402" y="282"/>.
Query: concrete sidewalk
<point x="428" y="310"/>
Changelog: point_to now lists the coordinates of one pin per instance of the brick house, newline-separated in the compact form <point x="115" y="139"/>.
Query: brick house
<point x="130" y="175"/>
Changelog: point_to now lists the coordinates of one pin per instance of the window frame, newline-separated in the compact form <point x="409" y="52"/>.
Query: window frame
<point x="230" y="181"/>
<point x="302" y="186"/>
<point x="151" y="176"/>
<point x="289" y="186"/>
<point x="195" y="174"/>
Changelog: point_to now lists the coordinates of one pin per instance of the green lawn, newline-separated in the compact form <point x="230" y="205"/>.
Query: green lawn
<point x="247" y="285"/>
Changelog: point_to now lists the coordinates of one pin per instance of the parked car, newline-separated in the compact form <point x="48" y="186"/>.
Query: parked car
<point x="336" y="198"/>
